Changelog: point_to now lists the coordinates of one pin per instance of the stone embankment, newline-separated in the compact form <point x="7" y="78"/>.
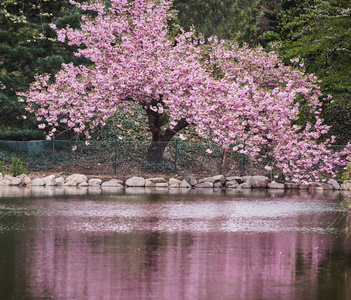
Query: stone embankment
<point x="188" y="182"/>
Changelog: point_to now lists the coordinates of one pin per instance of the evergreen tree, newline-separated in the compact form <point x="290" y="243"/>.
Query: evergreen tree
<point x="28" y="46"/>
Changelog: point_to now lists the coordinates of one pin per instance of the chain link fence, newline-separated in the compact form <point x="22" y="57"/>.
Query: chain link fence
<point x="126" y="158"/>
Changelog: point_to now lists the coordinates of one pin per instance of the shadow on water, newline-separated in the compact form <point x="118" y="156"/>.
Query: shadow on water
<point x="155" y="244"/>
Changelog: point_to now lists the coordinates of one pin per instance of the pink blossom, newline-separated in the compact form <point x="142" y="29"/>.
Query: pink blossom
<point x="182" y="137"/>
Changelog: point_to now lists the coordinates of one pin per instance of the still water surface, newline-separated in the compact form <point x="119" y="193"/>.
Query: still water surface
<point x="158" y="245"/>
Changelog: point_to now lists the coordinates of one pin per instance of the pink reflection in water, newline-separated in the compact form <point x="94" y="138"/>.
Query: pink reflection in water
<point x="56" y="262"/>
<point x="180" y="265"/>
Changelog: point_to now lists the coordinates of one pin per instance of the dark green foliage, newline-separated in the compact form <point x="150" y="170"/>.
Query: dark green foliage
<point x="319" y="32"/>
<point x="28" y="46"/>
<point x="226" y="19"/>
<point x="339" y="117"/>
<point x="18" y="134"/>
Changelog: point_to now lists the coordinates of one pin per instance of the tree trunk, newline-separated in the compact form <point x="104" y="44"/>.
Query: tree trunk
<point x="222" y="167"/>
<point x="160" y="138"/>
<point x="155" y="151"/>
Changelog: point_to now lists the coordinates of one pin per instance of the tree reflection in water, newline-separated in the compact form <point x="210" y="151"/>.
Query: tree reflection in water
<point x="108" y="249"/>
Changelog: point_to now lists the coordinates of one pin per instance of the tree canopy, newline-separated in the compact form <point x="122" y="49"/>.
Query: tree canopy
<point x="240" y="98"/>
<point x="318" y="32"/>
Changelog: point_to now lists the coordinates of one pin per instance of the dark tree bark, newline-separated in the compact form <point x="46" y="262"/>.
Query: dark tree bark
<point x="160" y="137"/>
<point x="222" y="167"/>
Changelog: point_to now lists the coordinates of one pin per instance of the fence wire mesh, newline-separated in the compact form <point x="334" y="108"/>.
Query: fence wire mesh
<point x="125" y="158"/>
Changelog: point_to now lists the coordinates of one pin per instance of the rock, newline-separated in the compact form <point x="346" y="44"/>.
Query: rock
<point x="218" y="185"/>
<point x="232" y="183"/>
<point x="276" y="185"/>
<point x="207" y="179"/>
<point x="290" y="185"/>
<point x="10" y="180"/>
<point x="149" y="183"/>
<point x="37" y="182"/>
<point x="95" y="182"/>
<point x="25" y="179"/>
<point x="184" y="184"/>
<point x="59" y="181"/>
<point x="135" y="182"/>
<point x="1" y="177"/>
<point x="214" y="179"/>
<point x="312" y="186"/>
<point x="204" y="185"/>
<point x="78" y="178"/>
<point x="161" y="184"/>
<point x="83" y="184"/>
<point x="16" y="181"/>
<point x="245" y="185"/>
<point x="174" y="186"/>
<point x="113" y="183"/>
<point x="49" y="180"/>
<point x="200" y="180"/>
<point x="191" y="180"/>
<point x="238" y="179"/>
<point x="157" y="179"/>
<point x="259" y="181"/>
<point x="219" y="178"/>
<point x="9" y="177"/>
<point x="327" y="186"/>
<point x="246" y="178"/>
<point x="172" y="181"/>
<point x="5" y="182"/>
<point x="334" y="183"/>
<point x="71" y="183"/>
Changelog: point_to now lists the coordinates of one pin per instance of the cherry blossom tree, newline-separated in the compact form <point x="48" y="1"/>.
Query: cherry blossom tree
<point x="233" y="95"/>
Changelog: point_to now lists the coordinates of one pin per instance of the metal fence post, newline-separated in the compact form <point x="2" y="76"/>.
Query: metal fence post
<point x="53" y="149"/>
<point x="175" y="157"/>
<point x="116" y="155"/>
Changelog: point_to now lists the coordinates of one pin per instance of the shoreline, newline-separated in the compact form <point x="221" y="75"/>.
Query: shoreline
<point x="170" y="183"/>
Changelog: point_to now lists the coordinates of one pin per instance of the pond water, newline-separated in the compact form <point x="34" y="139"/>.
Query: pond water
<point x="56" y="244"/>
